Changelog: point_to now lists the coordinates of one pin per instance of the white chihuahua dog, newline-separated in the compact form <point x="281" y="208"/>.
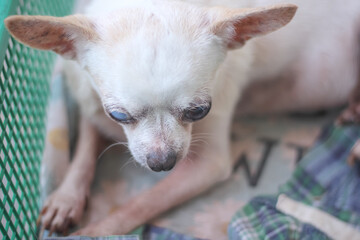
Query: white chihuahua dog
<point x="166" y="72"/>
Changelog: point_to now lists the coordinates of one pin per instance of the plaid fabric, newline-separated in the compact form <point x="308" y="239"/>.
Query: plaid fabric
<point x="130" y="237"/>
<point x="157" y="233"/>
<point x="146" y="232"/>
<point x="323" y="180"/>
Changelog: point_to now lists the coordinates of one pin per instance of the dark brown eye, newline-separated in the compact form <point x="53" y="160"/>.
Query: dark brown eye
<point x="196" y="113"/>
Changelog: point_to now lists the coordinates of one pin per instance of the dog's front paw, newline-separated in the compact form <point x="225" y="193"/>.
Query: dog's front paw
<point x="107" y="227"/>
<point x="93" y="230"/>
<point x="63" y="208"/>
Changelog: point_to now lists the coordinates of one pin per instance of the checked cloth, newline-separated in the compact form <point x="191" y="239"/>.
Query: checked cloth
<point x="324" y="186"/>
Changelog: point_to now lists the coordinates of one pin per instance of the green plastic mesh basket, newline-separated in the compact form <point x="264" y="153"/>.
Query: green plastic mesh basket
<point x="24" y="89"/>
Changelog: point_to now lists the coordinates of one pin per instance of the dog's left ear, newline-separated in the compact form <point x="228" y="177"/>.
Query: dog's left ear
<point x="237" y="26"/>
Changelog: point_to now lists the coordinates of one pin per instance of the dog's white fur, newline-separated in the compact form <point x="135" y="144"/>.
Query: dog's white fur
<point x="155" y="58"/>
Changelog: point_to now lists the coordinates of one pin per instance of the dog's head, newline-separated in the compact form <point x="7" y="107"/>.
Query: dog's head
<point x="153" y="66"/>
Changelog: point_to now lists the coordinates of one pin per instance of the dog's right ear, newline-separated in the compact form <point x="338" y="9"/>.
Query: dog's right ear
<point x="236" y="26"/>
<point x="63" y="35"/>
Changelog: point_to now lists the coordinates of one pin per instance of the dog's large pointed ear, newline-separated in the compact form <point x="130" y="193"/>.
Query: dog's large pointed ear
<point x="63" y="35"/>
<point x="236" y="26"/>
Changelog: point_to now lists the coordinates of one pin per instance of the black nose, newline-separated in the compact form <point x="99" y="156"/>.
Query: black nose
<point x="161" y="161"/>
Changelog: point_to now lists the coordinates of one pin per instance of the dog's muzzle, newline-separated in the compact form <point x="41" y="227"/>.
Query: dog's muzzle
<point x="161" y="161"/>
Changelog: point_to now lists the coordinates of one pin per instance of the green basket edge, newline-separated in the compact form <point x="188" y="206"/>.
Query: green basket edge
<point x="7" y="8"/>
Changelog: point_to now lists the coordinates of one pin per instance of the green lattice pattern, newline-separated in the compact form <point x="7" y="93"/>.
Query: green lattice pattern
<point x="24" y="91"/>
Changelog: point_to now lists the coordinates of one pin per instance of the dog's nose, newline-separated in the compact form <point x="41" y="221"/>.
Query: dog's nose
<point x="161" y="161"/>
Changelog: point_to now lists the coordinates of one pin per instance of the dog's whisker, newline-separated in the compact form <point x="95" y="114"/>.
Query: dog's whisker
<point x="117" y="140"/>
<point x="137" y="164"/>
<point x="128" y="161"/>
<point x="192" y="152"/>
<point x="196" y="146"/>
<point x="199" y="137"/>
<point x="109" y="147"/>
<point x="202" y="134"/>
<point x="198" y="141"/>
<point x="190" y="161"/>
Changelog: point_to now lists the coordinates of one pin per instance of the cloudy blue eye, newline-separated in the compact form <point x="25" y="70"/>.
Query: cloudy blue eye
<point x="121" y="117"/>
<point x="196" y="113"/>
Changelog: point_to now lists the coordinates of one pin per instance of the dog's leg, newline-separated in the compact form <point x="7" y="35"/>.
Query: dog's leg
<point x="66" y="204"/>
<point x="209" y="164"/>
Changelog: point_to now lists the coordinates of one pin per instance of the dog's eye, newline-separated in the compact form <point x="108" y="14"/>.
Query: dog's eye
<point x="121" y="117"/>
<point x="196" y="113"/>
